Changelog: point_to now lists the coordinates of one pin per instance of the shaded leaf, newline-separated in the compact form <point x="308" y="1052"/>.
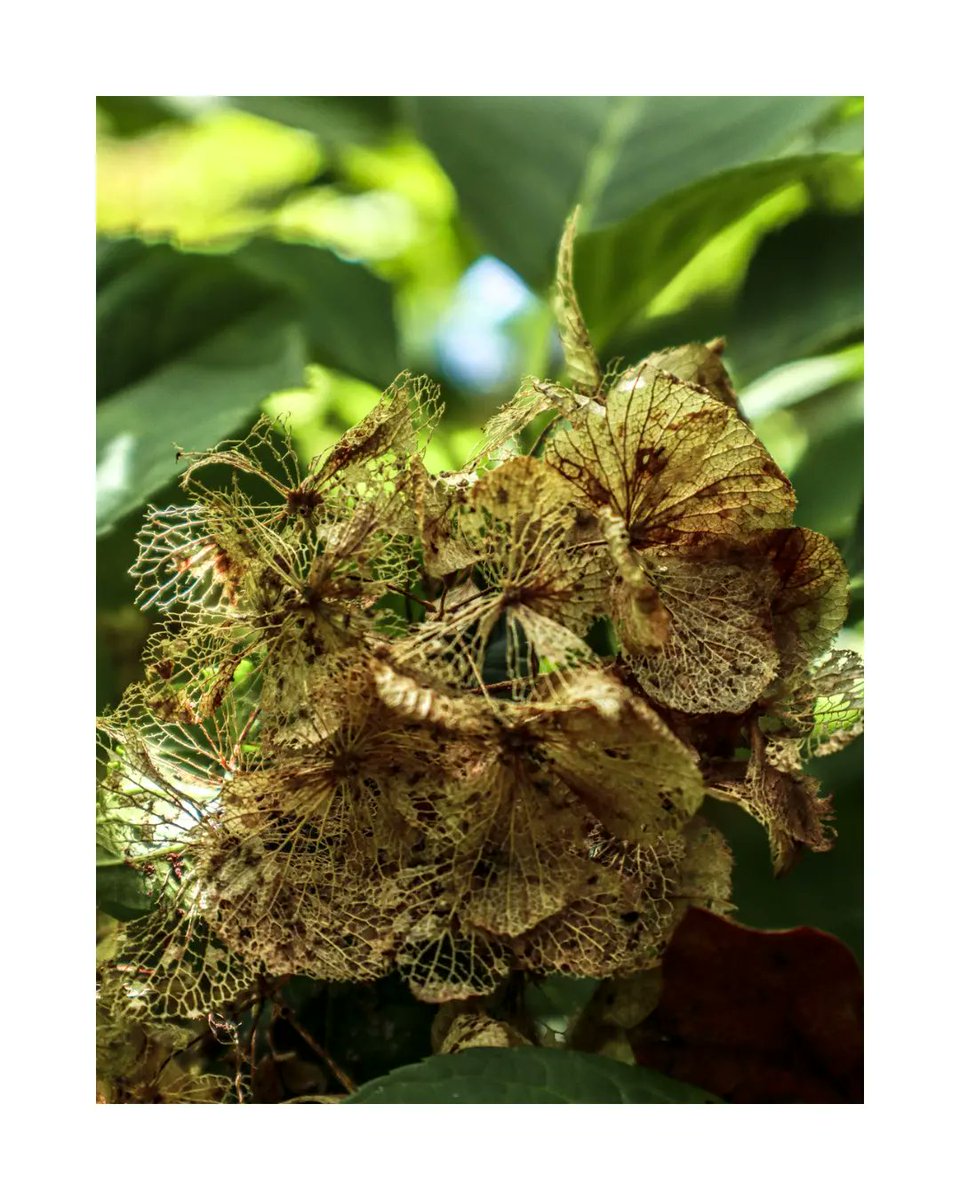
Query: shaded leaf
<point x="345" y="312"/>
<point x="201" y="396"/>
<point x="803" y="293"/>
<point x="130" y="116"/>
<point x="334" y="120"/>
<point x="525" y="1075"/>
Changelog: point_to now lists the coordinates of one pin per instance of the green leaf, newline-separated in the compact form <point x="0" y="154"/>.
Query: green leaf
<point x="154" y="305"/>
<point x="123" y="892"/>
<point x="829" y="477"/>
<point x="526" y="1075"/>
<point x="520" y="164"/>
<point x="621" y="269"/>
<point x="333" y="120"/>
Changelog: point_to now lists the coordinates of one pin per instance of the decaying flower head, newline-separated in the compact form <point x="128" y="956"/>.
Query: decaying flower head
<point x="460" y="724"/>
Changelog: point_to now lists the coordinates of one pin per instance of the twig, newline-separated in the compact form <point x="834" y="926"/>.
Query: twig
<point x="391" y="587"/>
<point x="315" y="1046"/>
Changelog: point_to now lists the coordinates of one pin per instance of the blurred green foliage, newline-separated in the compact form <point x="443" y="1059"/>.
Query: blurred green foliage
<point x="292" y="253"/>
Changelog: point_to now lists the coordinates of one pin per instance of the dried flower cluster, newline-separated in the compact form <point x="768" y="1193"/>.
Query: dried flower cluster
<point x="377" y="733"/>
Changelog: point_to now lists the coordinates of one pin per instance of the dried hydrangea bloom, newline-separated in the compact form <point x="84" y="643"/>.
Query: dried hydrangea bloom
<point x="282" y="586"/>
<point x="634" y="897"/>
<point x="323" y="787"/>
<point x="319" y="862"/>
<point x="533" y="781"/>
<point x="535" y="587"/>
<point x="681" y="487"/>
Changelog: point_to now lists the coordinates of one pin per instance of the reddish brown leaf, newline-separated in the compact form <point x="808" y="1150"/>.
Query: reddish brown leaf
<point x="757" y="1017"/>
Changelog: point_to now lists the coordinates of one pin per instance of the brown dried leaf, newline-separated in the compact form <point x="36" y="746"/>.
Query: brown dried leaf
<point x="788" y="804"/>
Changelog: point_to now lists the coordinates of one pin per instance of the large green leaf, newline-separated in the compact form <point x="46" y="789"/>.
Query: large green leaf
<point x="619" y="270"/>
<point x="526" y="1075"/>
<point x="190" y="344"/>
<point x="155" y="305"/>
<point x="521" y="163"/>
<point x="130" y="116"/>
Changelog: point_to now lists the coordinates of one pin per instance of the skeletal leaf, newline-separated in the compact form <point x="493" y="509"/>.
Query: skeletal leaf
<point x="819" y="714"/>
<point x="544" y="589"/>
<point x="438" y="500"/>
<point x="810" y="605"/>
<point x="581" y="358"/>
<point x="671" y="461"/>
<point x="170" y="966"/>
<point x="720" y="652"/>
<point x="693" y="363"/>
<point x="442" y="960"/>
<point x="468" y="1030"/>
<point x="395" y="430"/>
